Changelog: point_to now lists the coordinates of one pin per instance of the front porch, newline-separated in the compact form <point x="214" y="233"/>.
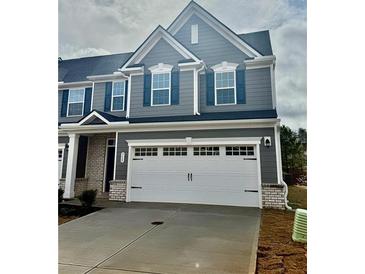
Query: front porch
<point x="88" y="163"/>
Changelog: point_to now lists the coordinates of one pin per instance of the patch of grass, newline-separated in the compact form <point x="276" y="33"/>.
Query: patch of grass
<point x="297" y="196"/>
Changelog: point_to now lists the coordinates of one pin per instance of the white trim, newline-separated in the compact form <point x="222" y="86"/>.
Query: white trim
<point x="91" y="114"/>
<point x="161" y="68"/>
<point x="273" y="85"/>
<point x="195" y="141"/>
<point x="129" y="175"/>
<point x="111" y="107"/>
<point x="260" y="62"/>
<point x="234" y="87"/>
<point x="92" y="97"/>
<point x="153" y="89"/>
<point x="106" y="161"/>
<point x="147" y="45"/>
<point x="278" y="154"/>
<point x="193" y="8"/>
<point x="169" y="126"/>
<point x="115" y="154"/>
<point x="75" y="85"/>
<point x="259" y="174"/>
<point x="104" y="77"/>
<point x="129" y="96"/>
<point x="78" y="102"/>
<point x="224" y="67"/>
<point x="196" y="89"/>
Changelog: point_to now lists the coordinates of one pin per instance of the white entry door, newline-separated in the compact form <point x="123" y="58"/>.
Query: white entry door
<point x="222" y="175"/>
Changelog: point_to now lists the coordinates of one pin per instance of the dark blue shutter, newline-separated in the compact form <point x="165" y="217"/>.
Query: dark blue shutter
<point x="126" y="95"/>
<point x="108" y="96"/>
<point x="147" y="90"/>
<point x="175" y="89"/>
<point x="210" y="87"/>
<point x="64" y="103"/>
<point x="87" y="103"/>
<point x="240" y="86"/>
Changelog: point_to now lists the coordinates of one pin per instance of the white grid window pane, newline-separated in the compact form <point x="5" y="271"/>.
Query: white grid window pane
<point x="76" y="95"/>
<point x="161" y="81"/>
<point x="145" y="151"/>
<point x="118" y="103"/>
<point x="118" y="88"/>
<point x="240" y="151"/>
<point x="225" y="96"/>
<point x="206" y="151"/>
<point x="161" y="97"/>
<point x="225" y="79"/>
<point x="75" y="108"/>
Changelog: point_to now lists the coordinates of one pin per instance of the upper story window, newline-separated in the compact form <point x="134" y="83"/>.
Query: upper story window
<point x="225" y="88"/>
<point x="76" y="100"/>
<point x="225" y="83"/>
<point x="161" y="84"/>
<point x="118" y="96"/>
<point x="194" y="34"/>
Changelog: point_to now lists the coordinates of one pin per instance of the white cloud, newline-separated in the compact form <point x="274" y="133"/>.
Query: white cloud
<point x="98" y="27"/>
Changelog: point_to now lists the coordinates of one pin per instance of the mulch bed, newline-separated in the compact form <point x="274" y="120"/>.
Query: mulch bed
<point x="68" y="212"/>
<point x="277" y="252"/>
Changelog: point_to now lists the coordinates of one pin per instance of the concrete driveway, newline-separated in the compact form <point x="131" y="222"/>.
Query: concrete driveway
<point x="192" y="239"/>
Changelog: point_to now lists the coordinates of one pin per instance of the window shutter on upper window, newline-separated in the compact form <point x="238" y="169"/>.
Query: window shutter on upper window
<point x="210" y="87"/>
<point x="108" y="96"/>
<point x="87" y="104"/>
<point x="147" y="90"/>
<point x="240" y="86"/>
<point x="125" y="95"/>
<point x="64" y="103"/>
<point x="175" y="87"/>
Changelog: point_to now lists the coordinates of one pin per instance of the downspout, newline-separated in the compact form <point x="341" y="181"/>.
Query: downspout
<point x="129" y="77"/>
<point x="196" y="88"/>
<point x="282" y="182"/>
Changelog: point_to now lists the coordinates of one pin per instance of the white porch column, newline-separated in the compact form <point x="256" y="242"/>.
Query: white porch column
<point x="73" y="147"/>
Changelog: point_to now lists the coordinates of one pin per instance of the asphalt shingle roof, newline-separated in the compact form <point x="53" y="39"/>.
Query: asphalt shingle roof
<point x="259" y="40"/>
<point x="75" y="70"/>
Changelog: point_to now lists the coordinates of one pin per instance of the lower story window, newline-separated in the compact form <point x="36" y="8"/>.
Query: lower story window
<point x="175" y="151"/>
<point x="240" y="151"/>
<point x="145" y="151"/>
<point x="206" y="151"/>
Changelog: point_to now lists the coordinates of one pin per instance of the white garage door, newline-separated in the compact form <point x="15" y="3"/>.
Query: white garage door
<point x="222" y="175"/>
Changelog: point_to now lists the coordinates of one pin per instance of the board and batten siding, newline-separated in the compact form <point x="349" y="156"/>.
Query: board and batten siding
<point x="268" y="154"/>
<point x="212" y="47"/>
<point x="258" y="93"/>
<point x="186" y="99"/>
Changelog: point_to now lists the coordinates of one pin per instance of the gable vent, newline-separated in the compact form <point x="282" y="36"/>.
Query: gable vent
<point x="194" y="34"/>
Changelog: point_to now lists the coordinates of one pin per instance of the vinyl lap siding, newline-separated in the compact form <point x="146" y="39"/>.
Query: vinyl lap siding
<point x="258" y="93"/>
<point x="185" y="106"/>
<point x="213" y="48"/>
<point x="268" y="156"/>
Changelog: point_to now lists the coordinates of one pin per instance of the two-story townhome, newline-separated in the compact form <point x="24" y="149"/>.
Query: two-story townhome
<point x="188" y="117"/>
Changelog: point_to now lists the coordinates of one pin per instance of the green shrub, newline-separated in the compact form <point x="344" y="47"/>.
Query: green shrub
<point x="87" y="197"/>
<point x="60" y="195"/>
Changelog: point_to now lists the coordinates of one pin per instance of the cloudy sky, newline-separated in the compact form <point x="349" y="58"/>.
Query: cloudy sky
<point x="95" y="27"/>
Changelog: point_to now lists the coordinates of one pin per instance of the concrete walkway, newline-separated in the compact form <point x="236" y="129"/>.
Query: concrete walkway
<point x="192" y="239"/>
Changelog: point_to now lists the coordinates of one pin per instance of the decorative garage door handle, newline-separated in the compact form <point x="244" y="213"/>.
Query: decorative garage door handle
<point x="138" y="187"/>
<point x="190" y="177"/>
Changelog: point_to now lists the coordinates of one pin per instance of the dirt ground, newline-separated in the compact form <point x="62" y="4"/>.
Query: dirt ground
<point x="65" y="219"/>
<point x="277" y="253"/>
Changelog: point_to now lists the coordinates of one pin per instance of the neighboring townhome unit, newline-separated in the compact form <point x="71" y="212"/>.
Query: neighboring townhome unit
<point x="189" y="117"/>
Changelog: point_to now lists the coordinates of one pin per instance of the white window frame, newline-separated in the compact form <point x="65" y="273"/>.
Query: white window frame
<point x="220" y="68"/>
<point x="245" y="156"/>
<point x="194" y="34"/>
<point x="160" y="68"/>
<point x="119" y="81"/>
<point x="68" y="102"/>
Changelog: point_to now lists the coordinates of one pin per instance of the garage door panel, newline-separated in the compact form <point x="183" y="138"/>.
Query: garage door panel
<point x="216" y="179"/>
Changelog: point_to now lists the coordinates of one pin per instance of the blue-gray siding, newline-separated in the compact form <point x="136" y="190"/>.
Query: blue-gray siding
<point x="186" y="101"/>
<point x="213" y="48"/>
<point x="258" y="93"/>
<point x="99" y="99"/>
<point x="162" y="52"/>
<point x="268" y="156"/>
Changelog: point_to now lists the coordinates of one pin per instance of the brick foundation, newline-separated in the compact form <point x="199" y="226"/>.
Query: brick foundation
<point x="118" y="190"/>
<point x="273" y="196"/>
<point x="81" y="184"/>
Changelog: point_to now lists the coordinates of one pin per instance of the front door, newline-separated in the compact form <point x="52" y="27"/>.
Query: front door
<point x="110" y="153"/>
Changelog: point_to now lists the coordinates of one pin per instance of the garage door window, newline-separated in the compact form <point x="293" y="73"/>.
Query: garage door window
<point x="145" y="151"/>
<point x="175" y="151"/>
<point x="206" y="151"/>
<point x="240" y="151"/>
